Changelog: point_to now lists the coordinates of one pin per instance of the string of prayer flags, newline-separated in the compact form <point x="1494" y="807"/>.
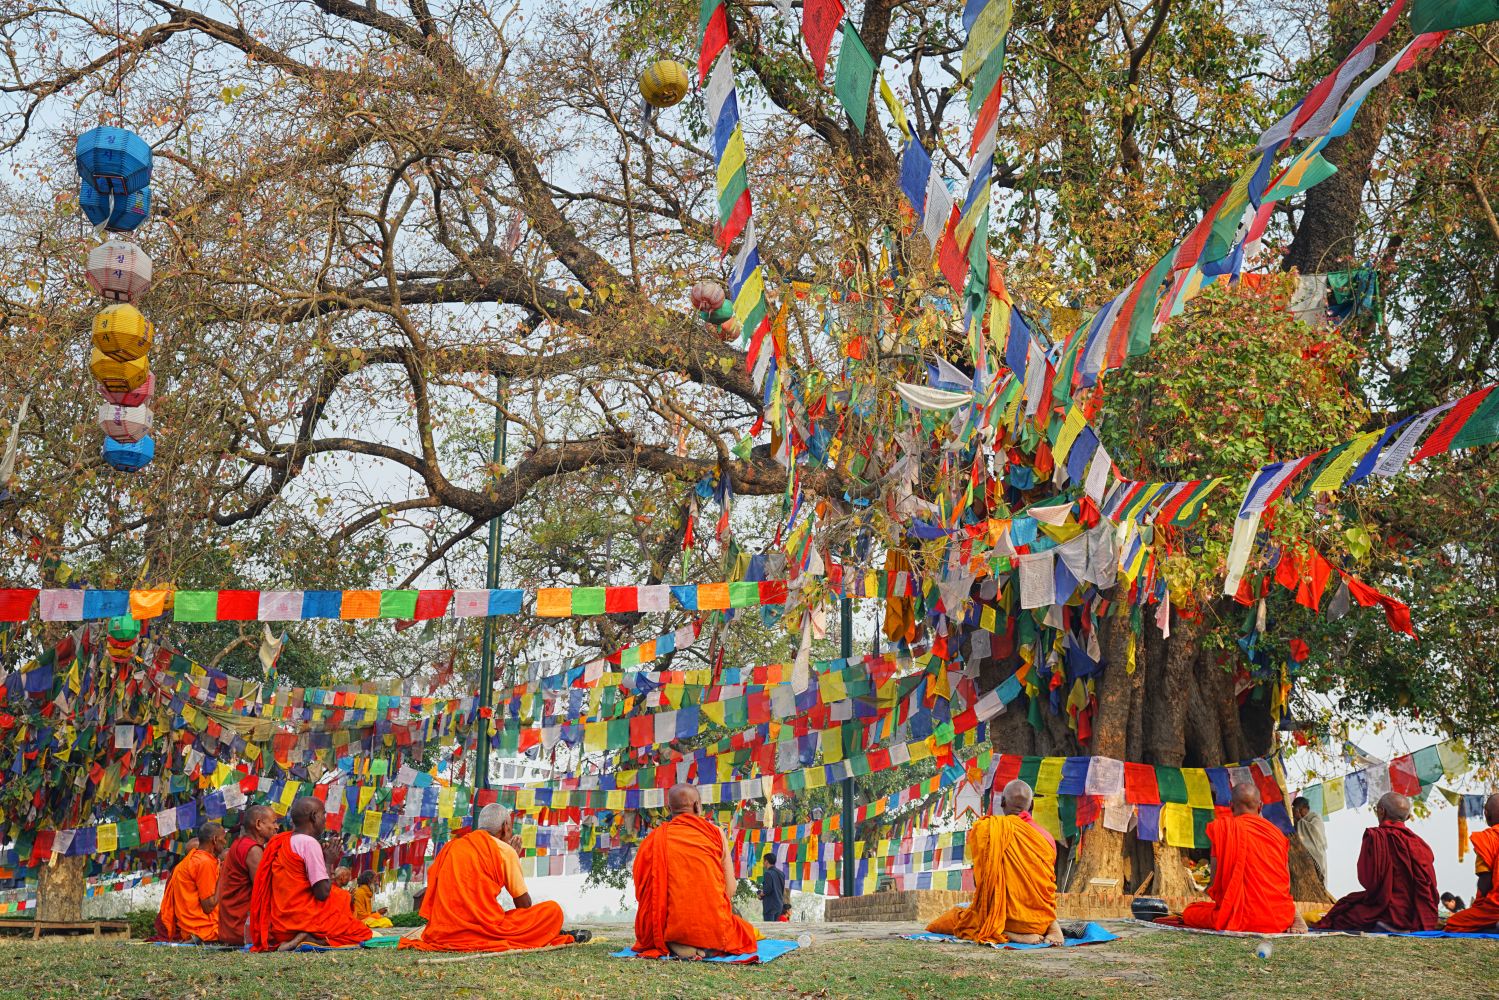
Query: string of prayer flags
<point x="16" y="604"/>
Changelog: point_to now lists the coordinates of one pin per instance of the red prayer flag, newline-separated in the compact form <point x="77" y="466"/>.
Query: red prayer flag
<point x="1441" y="438"/>
<point x="715" y="37"/>
<point x="15" y="604"/>
<point x="238" y="606"/>
<point x="432" y="604"/>
<point x="621" y="600"/>
<point x="1403" y="777"/>
<point x="820" y="20"/>
<point x="1140" y="786"/>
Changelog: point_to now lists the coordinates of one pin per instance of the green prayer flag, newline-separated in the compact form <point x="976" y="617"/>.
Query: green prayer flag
<point x="398" y="604"/>
<point x="1428" y="765"/>
<point x="744" y="595"/>
<point x="129" y="833"/>
<point x="1029" y="768"/>
<point x="1172" y="783"/>
<point x="588" y="600"/>
<point x="617" y="735"/>
<point x="1444" y="15"/>
<point x="1482" y="427"/>
<point x="854" y="82"/>
<point x="1200" y="820"/>
<point x="196" y="606"/>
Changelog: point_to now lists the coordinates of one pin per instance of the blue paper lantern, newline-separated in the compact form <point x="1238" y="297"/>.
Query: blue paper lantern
<point x="129" y="456"/>
<point x="118" y="213"/>
<point x="113" y="160"/>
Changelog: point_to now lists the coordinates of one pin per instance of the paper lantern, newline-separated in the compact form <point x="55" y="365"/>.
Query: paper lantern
<point x="119" y="270"/>
<point x="121" y="333"/>
<point x="129" y="456"/>
<point x="117" y="213"/>
<point x="664" y="83"/>
<point x="119" y="376"/>
<point x="706" y="296"/>
<point x="126" y="424"/>
<point x="123" y="628"/>
<point x="139" y="396"/>
<point x="113" y="160"/>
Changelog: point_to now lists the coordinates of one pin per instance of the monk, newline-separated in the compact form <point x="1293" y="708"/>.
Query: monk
<point x="1482" y="915"/>
<point x="1397" y="870"/>
<point x="684" y="887"/>
<point x="294" y="902"/>
<point x="1251" y="887"/>
<point x="364" y="903"/>
<point x="159" y="929"/>
<point x="192" y="896"/>
<point x="1015" y="879"/>
<point x="237" y="873"/>
<point x="464" y="881"/>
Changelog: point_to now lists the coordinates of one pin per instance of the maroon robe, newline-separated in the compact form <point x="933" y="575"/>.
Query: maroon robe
<point x="1400" y="885"/>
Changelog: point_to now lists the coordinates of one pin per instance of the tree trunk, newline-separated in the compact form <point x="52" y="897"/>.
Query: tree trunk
<point x="59" y="889"/>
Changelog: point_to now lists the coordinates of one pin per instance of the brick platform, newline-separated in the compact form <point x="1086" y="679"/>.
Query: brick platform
<point x="922" y="905"/>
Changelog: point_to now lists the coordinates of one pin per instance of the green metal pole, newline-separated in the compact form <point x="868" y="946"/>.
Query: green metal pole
<point x="846" y="649"/>
<point x="491" y="581"/>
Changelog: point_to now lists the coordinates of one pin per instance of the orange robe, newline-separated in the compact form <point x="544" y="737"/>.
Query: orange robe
<point x="679" y="892"/>
<point x="1015" y="883"/>
<point x="194" y="880"/>
<point x="462" y="907"/>
<point x="1483" y="915"/>
<point x="364" y="908"/>
<point x="1251" y="888"/>
<point x="282" y="904"/>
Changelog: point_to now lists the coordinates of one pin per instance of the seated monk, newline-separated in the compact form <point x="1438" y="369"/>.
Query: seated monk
<point x="1482" y="915"/>
<point x="461" y="904"/>
<point x="159" y="929"/>
<point x="364" y="903"/>
<point x="294" y="902"/>
<point x="684" y="887"/>
<point x="1396" y="869"/>
<point x="1251" y="887"/>
<point x="237" y="873"/>
<point x="188" y="905"/>
<point x="1014" y="876"/>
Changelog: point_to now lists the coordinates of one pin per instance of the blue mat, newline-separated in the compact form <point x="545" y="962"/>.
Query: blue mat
<point x="1421" y="934"/>
<point x="766" y="951"/>
<point x="1092" y="934"/>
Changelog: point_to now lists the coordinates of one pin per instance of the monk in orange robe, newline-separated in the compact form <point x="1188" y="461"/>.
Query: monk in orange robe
<point x="237" y="874"/>
<point x="461" y="905"/>
<point x="294" y="901"/>
<point x="1014" y="876"/>
<point x="364" y="903"/>
<point x="192" y="896"/>
<point x="684" y="887"/>
<point x="1483" y="916"/>
<point x="1251" y="887"/>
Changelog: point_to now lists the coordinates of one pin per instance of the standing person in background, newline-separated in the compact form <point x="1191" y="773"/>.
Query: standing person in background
<point x="1312" y="834"/>
<point x="772" y="890"/>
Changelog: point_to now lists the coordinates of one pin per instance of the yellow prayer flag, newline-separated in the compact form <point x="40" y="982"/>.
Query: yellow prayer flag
<point x="1072" y="426"/>
<point x="108" y="838"/>
<point x="1049" y="777"/>
<point x="1176" y="824"/>
<point x="614" y="800"/>
<point x="816" y="777"/>
<point x="525" y="799"/>
<point x="1334" y="795"/>
<point x="832" y="745"/>
<point x="920" y="750"/>
<point x="595" y="736"/>
<point x="893" y="106"/>
<point x="1338" y="469"/>
<point x="1044" y="812"/>
<point x="371" y="825"/>
<point x="1199" y="789"/>
<point x="714" y="712"/>
<point x="554" y="602"/>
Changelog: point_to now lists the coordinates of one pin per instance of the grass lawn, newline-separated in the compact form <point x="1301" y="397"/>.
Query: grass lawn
<point x="846" y="960"/>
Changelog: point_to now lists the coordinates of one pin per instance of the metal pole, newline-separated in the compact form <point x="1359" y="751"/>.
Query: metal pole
<point x="491" y="581"/>
<point x="846" y="649"/>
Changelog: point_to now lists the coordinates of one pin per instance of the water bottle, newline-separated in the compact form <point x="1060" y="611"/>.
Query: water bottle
<point x="804" y="939"/>
<point x="1262" y="951"/>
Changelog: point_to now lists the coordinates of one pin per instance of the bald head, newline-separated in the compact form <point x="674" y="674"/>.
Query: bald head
<point x="684" y="799"/>
<point x="1246" y="799"/>
<point x="306" y="815"/>
<point x="1491" y="810"/>
<point x="1016" y="798"/>
<point x="1393" y="806"/>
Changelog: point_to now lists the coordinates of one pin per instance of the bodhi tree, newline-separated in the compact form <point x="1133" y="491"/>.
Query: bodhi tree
<point x="378" y="224"/>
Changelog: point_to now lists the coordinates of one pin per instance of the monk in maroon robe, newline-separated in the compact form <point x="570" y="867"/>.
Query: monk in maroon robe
<point x="1400" y="882"/>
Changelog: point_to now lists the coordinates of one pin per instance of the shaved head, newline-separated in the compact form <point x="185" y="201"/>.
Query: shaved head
<point x="1394" y="806"/>
<point x="1016" y="798"/>
<point x="493" y="819"/>
<point x="684" y="799"/>
<point x="307" y="812"/>
<point x="1246" y="799"/>
<point x="1491" y="810"/>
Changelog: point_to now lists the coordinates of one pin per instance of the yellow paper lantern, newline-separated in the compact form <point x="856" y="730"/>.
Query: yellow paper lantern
<point x="664" y="83"/>
<point x="119" y="376"/>
<point x="121" y="333"/>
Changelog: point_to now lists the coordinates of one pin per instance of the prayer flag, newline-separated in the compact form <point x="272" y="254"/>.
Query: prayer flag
<point x="855" y="77"/>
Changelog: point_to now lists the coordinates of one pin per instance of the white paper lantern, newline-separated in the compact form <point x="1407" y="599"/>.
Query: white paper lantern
<point x="119" y="270"/>
<point x="127" y="424"/>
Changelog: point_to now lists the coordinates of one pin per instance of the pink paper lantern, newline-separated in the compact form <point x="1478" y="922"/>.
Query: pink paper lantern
<point x="139" y="396"/>
<point x="706" y="296"/>
<point x="119" y="270"/>
<point x="126" y="424"/>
